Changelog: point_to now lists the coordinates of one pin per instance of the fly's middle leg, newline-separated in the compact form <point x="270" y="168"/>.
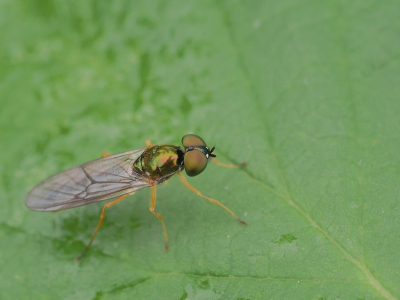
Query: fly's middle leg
<point x="152" y="206"/>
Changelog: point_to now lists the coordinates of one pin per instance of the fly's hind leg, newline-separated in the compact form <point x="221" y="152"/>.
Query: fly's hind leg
<point x="77" y="259"/>
<point x="184" y="181"/>
<point x="228" y="166"/>
<point x="152" y="206"/>
<point x="105" y="154"/>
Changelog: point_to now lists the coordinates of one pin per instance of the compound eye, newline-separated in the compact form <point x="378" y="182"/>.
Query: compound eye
<point x="195" y="162"/>
<point x="192" y="140"/>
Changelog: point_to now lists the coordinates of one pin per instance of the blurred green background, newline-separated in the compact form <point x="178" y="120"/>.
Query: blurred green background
<point x="306" y="91"/>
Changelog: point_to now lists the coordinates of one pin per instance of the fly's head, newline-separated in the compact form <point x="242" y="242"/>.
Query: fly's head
<point x="196" y="154"/>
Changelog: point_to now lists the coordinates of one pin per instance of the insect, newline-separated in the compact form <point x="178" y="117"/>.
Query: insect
<point x="121" y="175"/>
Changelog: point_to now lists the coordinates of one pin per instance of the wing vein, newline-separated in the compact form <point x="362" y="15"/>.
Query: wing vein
<point x="94" y="181"/>
<point x="88" y="175"/>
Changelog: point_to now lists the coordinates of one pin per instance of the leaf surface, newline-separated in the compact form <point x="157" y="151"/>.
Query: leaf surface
<point x="305" y="91"/>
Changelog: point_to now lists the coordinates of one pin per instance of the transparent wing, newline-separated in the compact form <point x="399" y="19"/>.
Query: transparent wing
<point x="91" y="182"/>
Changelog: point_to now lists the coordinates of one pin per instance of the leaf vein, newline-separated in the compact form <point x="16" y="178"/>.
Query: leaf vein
<point x="371" y="279"/>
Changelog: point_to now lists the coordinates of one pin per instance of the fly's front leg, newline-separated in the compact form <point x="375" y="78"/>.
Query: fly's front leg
<point x="228" y="166"/>
<point x="184" y="181"/>
<point x="148" y="144"/>
<point x="152" y="206"/>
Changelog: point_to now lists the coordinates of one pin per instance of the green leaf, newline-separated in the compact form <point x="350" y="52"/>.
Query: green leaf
<point x="305" y="91"/>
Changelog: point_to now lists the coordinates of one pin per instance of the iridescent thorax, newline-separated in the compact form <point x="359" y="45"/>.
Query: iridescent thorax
<point x="159" y="161"/>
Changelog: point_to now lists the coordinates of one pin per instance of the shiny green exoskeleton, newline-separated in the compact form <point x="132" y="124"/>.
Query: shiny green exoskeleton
<point x="160" y="162"/>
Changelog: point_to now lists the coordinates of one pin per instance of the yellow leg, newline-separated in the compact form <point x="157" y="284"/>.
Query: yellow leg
<point x="153" y="204"/>
<point x="227" y="166"/>
<point x="105" y="154"/>
<point x="99" y="224"/>
<point x="184" y="181"/>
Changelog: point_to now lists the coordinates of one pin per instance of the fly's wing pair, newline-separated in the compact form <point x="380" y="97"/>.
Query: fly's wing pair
<point x="95" y="181"/>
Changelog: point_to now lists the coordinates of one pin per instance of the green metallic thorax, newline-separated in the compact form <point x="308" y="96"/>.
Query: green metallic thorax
<point x="160" y="161"/>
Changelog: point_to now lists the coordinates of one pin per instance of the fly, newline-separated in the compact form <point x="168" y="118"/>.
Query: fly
<point x="120" y="175"/>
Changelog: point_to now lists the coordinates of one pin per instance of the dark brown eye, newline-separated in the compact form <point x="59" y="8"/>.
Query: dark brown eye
<point x="195" y="162"/>
<point x="192" y="140"/>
